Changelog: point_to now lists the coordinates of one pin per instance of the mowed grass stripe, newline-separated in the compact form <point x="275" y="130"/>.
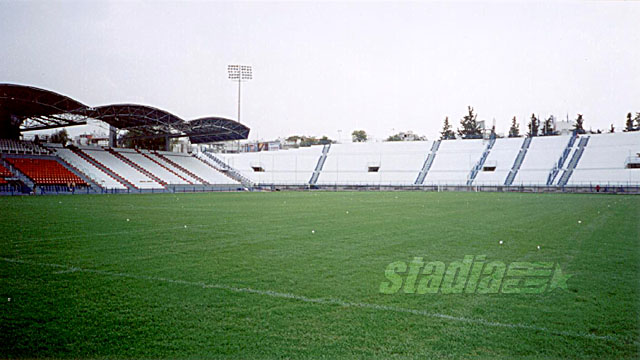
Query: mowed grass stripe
<point x="264" y="241"/>
<point x="322" y="301"/>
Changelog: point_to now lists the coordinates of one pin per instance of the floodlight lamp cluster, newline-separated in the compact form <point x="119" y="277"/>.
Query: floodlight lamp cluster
<point x="240" y="72"/>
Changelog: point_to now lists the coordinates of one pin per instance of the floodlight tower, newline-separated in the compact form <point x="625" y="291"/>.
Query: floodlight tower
<point x="239" y="73"/>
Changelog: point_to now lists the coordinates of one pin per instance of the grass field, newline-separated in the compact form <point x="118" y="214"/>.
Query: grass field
<point x="243" y="275"/>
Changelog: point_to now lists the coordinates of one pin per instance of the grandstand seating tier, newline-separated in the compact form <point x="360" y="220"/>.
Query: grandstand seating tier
<point x="123" y="169"/>
<point x="45" y="171"/>
<point x="285" y="166"/>
<point x="201" y="169"/>
<point x="161" y="159"/>
<point x="91" y="171"/>
<point x="397" y="162"/>
<point x="4" y="172"/>
<point x="400" y="162"/>
<point x="454" y="161"/>
<point x="21" y="147"/>
<point x="603" y="161"/>
<point x="542" y="155"/>
<point x="501" y="156"/>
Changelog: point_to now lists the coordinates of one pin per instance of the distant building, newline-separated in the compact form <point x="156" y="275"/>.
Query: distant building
<point x="91" y="139"/>
<point x="564" y="127"/>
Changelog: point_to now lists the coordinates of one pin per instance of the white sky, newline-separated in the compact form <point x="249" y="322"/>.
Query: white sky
<point x="323" y="67"/>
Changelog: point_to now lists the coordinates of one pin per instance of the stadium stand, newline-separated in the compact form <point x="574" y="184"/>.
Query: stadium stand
<point x="374" y="163"/>
<point x="276" y="167"/>
<point x="512" y="161"/>
<point x="195" y="168"/>
<point x="122" y="169"/>
<point x="573" y="162"/>
<point x="4" y="175"/>
<point x="137" y="167"/>
<point x="4" y="172"/>
<point x="577" y="161"/>
<point x="605" y="160"/>
<point x="213" y="160"/>
<point x="480" y="164"/>
<point x="166" y="158"/>
<point x="542" y="155"/>
<point x="163" y="173"/>
<point x="96" y="174"/>
<point x="499" y="162"/>
<point x="46" y="171"/>
<point x="454" y="161"/>
<point x="21" y="147"/>
<point x="171" y="165"/>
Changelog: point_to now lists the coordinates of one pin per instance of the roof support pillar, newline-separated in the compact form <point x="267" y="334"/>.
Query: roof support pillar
<point x="113" y="142"/>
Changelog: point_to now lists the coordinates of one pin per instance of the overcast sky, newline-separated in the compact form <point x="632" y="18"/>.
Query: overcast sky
<point x="323" y="67"/>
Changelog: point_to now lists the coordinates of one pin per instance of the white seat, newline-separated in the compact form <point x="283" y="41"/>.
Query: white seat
<point x="123" y="169"/>
<point x="98" y="176"/>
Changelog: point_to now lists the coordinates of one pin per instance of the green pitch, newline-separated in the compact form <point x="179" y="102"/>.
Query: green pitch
<point x="263" y="275"/>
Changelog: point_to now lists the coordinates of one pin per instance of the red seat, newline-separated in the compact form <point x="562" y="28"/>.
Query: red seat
<point x="4" y="172"/>
<point x="45" y="171"/>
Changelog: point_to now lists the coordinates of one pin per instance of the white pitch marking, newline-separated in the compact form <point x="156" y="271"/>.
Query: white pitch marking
<point x="67" y="271"/>
<point x="326" y="301"/>
<point x="127" y="232"/>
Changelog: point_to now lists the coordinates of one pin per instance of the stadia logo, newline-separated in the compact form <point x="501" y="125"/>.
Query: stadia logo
<point x="472" y="275"/>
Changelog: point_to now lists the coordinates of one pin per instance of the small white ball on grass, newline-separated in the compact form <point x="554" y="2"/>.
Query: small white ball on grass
<point x="579" y="221"/>
<point x="185" y="226"/>
<point x="127" y="219"/>
<point x="347" y="211"/>
<point x="500" y="242"/>
<point x="313" y="231"/>
<point x="538" y="247"/>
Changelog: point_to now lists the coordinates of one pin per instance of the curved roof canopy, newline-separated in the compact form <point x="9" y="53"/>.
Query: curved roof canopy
<point x="213" y="129"/>
<point x="37" y="109"/>
<point x="128" y="116"/>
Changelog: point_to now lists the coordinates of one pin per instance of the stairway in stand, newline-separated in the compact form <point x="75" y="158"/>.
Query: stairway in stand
<point x="102" y="167"/>
<point x="227" y="170"/>
<point x="164" y="167"/>
<point x="320" y="164"/>
<point x="565" y="155"/>
<point x="174" y="164"/>
<point x="427" y="163"/>
<point x="140" y="169"/>
<point x="518" y="162"/>
<point x="480" y="164"/>
<point x="564" y="179"/>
